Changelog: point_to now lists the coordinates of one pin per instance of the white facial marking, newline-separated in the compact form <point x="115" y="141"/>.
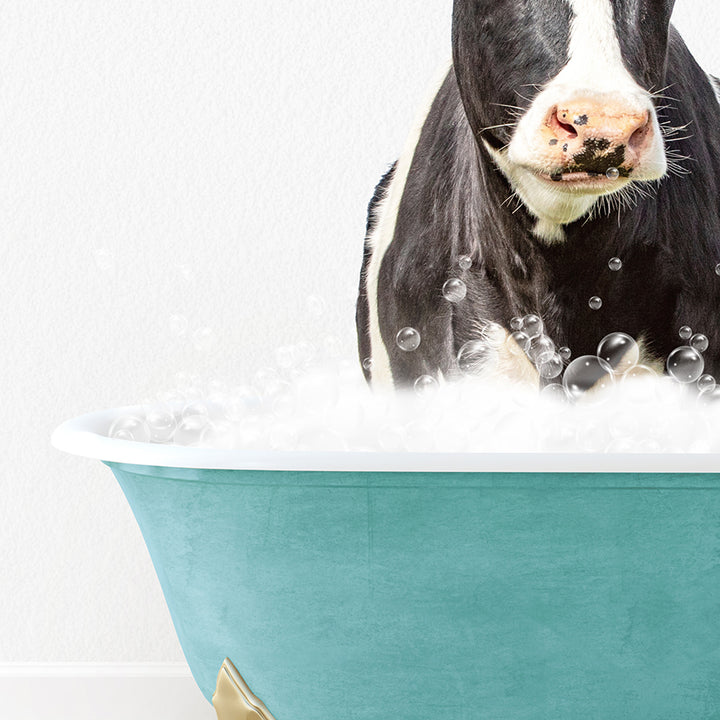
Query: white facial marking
<point x="594" y="73"/>
<point x="595" y="58"/>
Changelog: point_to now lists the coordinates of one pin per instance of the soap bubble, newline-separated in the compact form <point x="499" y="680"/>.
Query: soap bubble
<point x="699" y="342"/>
<point x="195" y="408"/>
<point x="178" y="325"/>
<point x="532" y="326"/>
<point x="367" y="363"/>
<point x="550" y="367"/>
<point x="516" y="324"/>
<point x="706" y="383"/>
<point x="685" y="332"/>
<point x="541" y="349"/>
<point x="161" y="424"/>
<point x="475" y="356"/>
<point x="465" y="262"/>
<point x="408" y="339"/>
<point x="717" y="269"/>
<point x="685" y="364"/>
<point x="587" y="374"/>
<point x="518" y="343"/>
<point x="204" y="339"/>
<point x="612" y="173"/>
<point x="595" y="302"/>
<point x="620" y="351"/>
<point x="565" y="353"/>
<point x="190" y="429"/>
<point x="454" y="290"/>
<point x="615" y="264"/>
<point x="425" y="384"/>
<point x="130" y="427"/>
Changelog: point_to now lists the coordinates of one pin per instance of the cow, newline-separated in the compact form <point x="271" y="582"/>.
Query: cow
<point x="567" y="167"/>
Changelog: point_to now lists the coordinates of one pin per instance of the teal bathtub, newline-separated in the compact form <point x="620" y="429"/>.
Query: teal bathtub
<point x="413" y="587"/>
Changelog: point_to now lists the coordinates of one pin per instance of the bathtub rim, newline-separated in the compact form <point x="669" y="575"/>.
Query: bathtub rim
<point x="84" y="436"/>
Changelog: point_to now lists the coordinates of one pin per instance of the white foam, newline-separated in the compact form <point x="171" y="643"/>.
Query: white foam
<point x="329" y="408"/>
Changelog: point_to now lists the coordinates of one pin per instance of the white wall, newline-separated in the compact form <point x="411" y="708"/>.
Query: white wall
<point x="212" y="159"/>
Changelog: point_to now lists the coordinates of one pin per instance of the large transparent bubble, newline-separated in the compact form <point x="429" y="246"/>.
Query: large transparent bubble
<point x="620" y="351"/>
<point x="408" y="339"/>
<point x="685" y="364"/>
<point x="476" y="356"/>
<point x="587" y="377"/>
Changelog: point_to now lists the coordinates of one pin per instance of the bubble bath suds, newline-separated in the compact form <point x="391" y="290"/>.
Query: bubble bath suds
<point x="591" y="404"/>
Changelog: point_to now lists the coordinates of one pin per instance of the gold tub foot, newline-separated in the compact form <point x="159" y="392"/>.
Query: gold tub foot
<point x="233" y="699"/>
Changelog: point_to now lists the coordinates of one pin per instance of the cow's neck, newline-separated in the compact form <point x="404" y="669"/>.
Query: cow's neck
<point x="526" y="270"/>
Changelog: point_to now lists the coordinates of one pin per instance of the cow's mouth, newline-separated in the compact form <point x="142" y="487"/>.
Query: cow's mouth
<point x="583" y="179"/>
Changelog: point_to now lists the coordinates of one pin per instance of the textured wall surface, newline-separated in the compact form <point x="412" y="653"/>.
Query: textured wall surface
<point x="212" y="160"/>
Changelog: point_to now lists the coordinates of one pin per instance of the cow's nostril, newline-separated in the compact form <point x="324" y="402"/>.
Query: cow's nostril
<point x="638" y="137"/>
<point x="563" y="130"/>
<point x="569" y="129"/>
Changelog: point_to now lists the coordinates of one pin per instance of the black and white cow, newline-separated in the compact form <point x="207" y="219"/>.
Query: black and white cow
<point x="565" y="133"/>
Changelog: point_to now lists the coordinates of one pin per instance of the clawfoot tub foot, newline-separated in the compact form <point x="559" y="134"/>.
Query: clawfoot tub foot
<point x="233" y="699"/>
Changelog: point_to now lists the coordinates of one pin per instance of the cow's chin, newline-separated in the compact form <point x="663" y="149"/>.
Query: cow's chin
<point x="560" y="200"/>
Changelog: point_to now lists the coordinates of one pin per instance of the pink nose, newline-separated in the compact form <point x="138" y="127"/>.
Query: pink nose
<point x="594" y="136"/>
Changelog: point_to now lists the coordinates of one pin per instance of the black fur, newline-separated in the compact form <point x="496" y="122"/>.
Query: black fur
<point x="453" y="205"/>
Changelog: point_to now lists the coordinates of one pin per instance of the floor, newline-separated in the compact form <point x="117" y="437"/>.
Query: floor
<point x="102" y="698"/>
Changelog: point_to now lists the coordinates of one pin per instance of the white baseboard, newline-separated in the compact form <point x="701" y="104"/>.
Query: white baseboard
<point x="95" y="691"/>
